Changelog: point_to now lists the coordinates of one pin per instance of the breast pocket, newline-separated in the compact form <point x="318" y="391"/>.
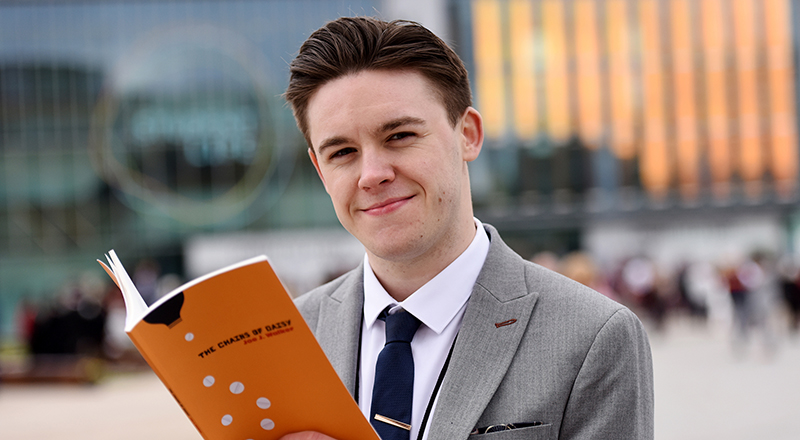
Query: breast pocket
<point x="539" y="432"/>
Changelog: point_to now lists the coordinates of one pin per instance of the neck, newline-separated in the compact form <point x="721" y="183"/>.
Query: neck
<point x="402" y="277"/>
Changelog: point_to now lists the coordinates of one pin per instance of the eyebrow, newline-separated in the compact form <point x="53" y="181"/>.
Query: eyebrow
<point x="387" y="126"/>
<point x="399" y="122"/>
<point x="332" y="142"/>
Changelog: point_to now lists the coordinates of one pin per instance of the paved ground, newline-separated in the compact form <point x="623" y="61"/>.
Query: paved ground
<point x="704" y="390"/>
<point x="708" y="389"/>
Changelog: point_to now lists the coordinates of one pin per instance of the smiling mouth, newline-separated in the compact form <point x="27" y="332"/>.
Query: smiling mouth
<point x="387" y="206"/>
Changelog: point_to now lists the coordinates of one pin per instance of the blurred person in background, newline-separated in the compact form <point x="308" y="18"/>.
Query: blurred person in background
<point x="738" y="293"/>
<point x="754" y="287"/>
<point x="64" y="336"/>
<point x="705" y="292"/>
<point x="548" y="260"/>
<point x="386" y="111"/>
<point x="790" y="286"/>
<point x="72" y="326"/>
<point x="639" y="284"/>
<point x="580" y="267"/>
<point x="692" y="296"/>
<point x="25" y="320"/>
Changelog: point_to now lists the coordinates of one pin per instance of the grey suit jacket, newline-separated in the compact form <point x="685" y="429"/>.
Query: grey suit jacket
<point x="574" y="360"/>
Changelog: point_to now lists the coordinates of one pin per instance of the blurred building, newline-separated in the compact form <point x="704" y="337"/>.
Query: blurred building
<point x="666" y="127"/>
<point x="623" y="127"/>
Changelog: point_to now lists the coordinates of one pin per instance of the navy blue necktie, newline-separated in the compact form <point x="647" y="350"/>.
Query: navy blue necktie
<point x="394" y="378"/>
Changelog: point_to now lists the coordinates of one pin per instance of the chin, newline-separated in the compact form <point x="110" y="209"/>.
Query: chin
<point x="397" y="252"/>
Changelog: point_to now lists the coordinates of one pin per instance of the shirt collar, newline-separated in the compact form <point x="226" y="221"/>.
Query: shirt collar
<point x="439" y="300"/>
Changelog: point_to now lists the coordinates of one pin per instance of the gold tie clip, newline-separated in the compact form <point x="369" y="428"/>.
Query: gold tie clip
<point x="392" y="422"/>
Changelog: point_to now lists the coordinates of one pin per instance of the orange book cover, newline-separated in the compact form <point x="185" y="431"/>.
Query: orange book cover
<point x="236" y="354"/>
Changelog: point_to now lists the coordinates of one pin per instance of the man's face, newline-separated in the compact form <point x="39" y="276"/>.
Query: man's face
<point x="394" y="167"/>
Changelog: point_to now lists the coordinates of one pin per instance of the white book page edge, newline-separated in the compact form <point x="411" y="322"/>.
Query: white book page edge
<point x="135" y="306"/>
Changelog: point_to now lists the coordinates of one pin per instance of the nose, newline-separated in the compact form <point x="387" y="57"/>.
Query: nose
<point x="376" y="169"/>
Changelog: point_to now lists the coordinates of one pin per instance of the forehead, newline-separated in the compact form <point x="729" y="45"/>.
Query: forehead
<point x="371" y="97"/>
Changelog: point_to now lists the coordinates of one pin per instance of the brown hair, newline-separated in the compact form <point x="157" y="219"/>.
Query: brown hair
<point x="352" y="44"/>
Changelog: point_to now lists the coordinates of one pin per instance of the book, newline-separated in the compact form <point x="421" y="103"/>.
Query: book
<point x="238" y="357"/>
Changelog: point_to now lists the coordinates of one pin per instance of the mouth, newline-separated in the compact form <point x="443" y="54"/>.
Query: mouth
<point x="387" y="206"/>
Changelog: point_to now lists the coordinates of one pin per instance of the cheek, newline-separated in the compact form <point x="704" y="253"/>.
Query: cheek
<point x="339" y="191"/>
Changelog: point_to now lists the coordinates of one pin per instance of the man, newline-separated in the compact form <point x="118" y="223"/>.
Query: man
<point x="501" y="343"/>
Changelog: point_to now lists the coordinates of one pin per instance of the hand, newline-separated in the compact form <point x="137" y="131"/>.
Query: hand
<point x="306" y="435"/>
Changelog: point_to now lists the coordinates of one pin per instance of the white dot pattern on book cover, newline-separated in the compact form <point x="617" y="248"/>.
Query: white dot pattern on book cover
<point x="237" y="387"/>
<point x="189" y="336"/>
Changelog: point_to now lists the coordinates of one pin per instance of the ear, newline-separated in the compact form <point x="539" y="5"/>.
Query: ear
<point x="313" y="157"/>
<point x="472" y="133"/>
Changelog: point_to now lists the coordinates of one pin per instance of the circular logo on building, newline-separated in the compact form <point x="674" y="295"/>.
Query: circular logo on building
<point x="183" y="126"/>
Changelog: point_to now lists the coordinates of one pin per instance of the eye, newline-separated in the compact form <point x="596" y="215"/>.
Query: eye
<point x="401" y="135"/>
<point x="342" y="152"/>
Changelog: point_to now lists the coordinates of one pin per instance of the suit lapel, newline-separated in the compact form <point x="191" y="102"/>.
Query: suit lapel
<point x="339" y="327"/>
<point x="486" y="343"/>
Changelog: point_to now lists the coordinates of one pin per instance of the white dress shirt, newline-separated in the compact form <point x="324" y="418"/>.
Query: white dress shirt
<point x="439" y="305"/>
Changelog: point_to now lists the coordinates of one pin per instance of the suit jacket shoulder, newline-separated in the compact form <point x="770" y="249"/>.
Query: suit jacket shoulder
<point x="536" y="348"/>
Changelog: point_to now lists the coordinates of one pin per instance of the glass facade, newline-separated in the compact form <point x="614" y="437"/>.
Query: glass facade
<point x="679" y="101"/>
